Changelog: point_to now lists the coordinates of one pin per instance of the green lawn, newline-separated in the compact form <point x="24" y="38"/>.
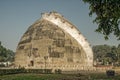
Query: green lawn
<point x="92" y="76"/>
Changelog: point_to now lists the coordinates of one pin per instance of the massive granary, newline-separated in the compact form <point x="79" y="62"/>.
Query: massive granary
<point x="52" y="42"/>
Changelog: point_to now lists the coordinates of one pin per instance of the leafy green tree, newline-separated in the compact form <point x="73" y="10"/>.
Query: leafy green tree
<point x="107" y="16"/>
<point x="106" y="54"/>
<point x="100" y="51"/>
<point x="6" y="54"/>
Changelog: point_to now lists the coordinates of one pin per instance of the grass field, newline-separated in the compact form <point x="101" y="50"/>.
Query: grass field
<point x="92" y="76"/>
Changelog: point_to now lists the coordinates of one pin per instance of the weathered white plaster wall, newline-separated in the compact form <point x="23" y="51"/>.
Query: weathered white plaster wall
<point x="58" y="19"/>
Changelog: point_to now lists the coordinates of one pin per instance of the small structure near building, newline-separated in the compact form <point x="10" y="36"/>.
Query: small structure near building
<point x="5" y="64"/>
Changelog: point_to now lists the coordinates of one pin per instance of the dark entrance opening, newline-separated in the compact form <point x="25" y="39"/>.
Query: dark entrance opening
<point x="32" y="63"/>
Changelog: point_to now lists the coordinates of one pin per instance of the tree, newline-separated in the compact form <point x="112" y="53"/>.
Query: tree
<point x="107" y="16"/>
<point x="118" y="45"/>
<point x="6" y="54"/>
<point x="107" y="54"/>
<point x="100" y="51"/>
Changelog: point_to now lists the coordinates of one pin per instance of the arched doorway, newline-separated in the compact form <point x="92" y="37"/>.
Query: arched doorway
<point x="32" y="63"/>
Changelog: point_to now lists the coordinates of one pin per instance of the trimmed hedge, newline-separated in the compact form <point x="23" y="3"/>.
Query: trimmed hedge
<point x="22" y="70"/>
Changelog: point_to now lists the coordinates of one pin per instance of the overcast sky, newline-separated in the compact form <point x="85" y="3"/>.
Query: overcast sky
<point x="17" y="15"/>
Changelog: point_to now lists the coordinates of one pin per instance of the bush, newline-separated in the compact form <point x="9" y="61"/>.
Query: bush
<point x="58" y="71"/>
<point x="110" y="73"/>
<point x="22" y="70"/>
<point x="47" y="71"/>
<point x="2" y="65"/>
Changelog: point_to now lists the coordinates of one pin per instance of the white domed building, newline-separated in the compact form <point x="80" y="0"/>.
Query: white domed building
<point x="52" y="42"/>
